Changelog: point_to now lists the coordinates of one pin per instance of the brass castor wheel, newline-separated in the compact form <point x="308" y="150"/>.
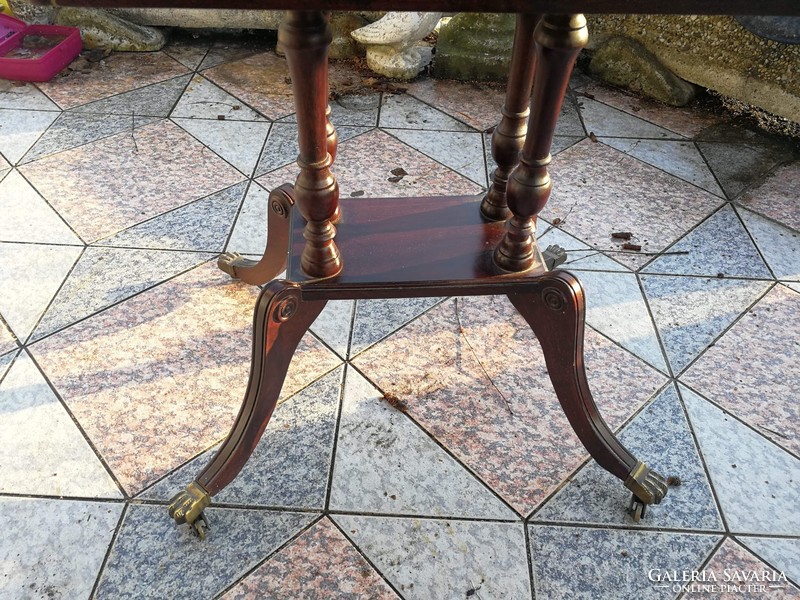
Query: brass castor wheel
<point x="187" y="507"/>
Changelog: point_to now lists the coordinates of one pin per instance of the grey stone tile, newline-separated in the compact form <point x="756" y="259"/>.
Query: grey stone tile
<point x="613" y="563"/>
<point x="360" y="110"/>
<point x="580" y="256"/>
<point x="333" y="325"/>
<point x="781" y="553"/>
<point x="205" y="100"/>
<point x="426" y="559"/>
<point x="779" y="245"/>
<point x="560" y="142"/>
<point x="386" y="464"/>
<point x="37" y="274"/>
<point x="756" y="481"/>
<point x="16" y="94"/>
<point x="569" y="120"/>
<point x="461" y="151"/>
<point x="75" y="129"/>
<point x="19" y="130"/>
<point x="152" y="557"/>
<point x="53" y="548"/>
<point x="794" y="286"/>
<point x="290" y="466"/>
<point x="154" y="100"/>
<point x="604" y="121"/>
<point x="375" y="319"/>
<point x="682" y="159"/>
<point x="238" y="142"/>
<point x="249" y="234"/>
<point x="188" y="52"/>
<point x="659" y="436"/>
<point x="202" y="225"/>
<point x="43" y="451"/>
<point x="407" y="112"/>
<point x="690" y="312"/>
<point x="5" y="361"/>
<point x="718" y="245"/>
<point x="105" y="276"/>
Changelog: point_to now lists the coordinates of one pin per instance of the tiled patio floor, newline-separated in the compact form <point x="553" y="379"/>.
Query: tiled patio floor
<point x="124" y="352"/>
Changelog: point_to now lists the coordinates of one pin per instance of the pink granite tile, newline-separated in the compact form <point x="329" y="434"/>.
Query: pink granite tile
<point x="525" y="455"/>
<point x="685" y="121"/>
<point x="321" y="563"/>
<point x="760" y="358"/>
<point x="776" y="198"/>
<point x="120" y="72"/>
<point x="476" y="104"/>
<point x="365" y="164"/>
<point x="729" y="575"/>
<point x="159" y="378"/>
<point x="603" y="191"/>
<point x="117" y="182"/>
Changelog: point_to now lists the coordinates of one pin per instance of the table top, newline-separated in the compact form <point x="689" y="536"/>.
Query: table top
<point x="708" y="7"/>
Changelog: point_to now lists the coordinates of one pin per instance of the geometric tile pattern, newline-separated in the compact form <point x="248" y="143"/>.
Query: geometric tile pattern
<point x="124" y="352"/>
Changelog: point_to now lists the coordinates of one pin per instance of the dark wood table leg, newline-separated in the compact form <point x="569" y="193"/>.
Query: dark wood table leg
<point x="509" y="135"/>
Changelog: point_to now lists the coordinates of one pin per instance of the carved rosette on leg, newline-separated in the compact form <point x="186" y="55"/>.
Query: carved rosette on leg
<point x="558" y="39"/>
<point x="509" y="135"/>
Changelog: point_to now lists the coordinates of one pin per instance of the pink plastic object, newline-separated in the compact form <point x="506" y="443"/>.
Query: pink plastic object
<point x="35" y="52"/>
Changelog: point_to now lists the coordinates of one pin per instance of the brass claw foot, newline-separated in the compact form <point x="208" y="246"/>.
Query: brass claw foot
<point x="553" y="256"/>
<point x="229" y="261"/>
<point x="187" y="507"/>
<point x="648" y="487"/>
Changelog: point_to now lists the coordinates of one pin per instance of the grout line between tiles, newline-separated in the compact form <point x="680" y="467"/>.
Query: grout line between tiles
<point x="46" y="201"/>
<point x="749" y="550"/>
<point x="123" y="515"/>
<point x="705" y="562"/>
<point x="334" y="445"/>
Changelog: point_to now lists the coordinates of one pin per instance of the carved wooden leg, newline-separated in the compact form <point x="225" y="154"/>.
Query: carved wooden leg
<point x="332" y="142"/>
<point x="558" y="40"/>
<point x="279" y="212"/>
<point x="281" y="319"/>
<point x="305" y="36"/>
<point x="555" y="311"/>
<point x="509" y="135"/>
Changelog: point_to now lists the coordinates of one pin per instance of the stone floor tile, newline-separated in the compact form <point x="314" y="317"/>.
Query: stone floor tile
<point x="72" y="129"/>
<point x="156" y="100"/>
<point x="622" y="572"/>
<point x="231" y="49"/>
<point x="462" y="152"/>
<point x="720" y="244"/>
<point x="118" y="73"/>
<point x="605" y="121"/>
<point x="580" y="256"/>
<point x="734" y="453"/>
<point x="105" y="276"/>
<point x="204" y="100"/>
<point x="290" y="467"/>
<point x="681" y="159"/>
<point x="779" y="245"/>
<point x="690" y="312"/>
<point x="403" y="111"/>
<point x="27" y="217"/>
<point x="188" y="51"/>
<point x="203" y="225"/>
<point x="238" y="142"/>
<point x="112" y="184"/>
<point x="53" y="548"/>
<point x="262" y="81"/>
<point x="159" y="378"/>
<point x="760" y="358"/>
<point x="18" y="94"/>
<point x="19" y="130"/>
<point x="365" y="164"/>
<point x="44" y="453"/>
<point x="37" y="273"/>
<point x="152" y="557"/>
<point x="776" y="197"/>
<point x="781" y="553"/>
<point x="5" y="167"/>
<point x="351" y="110"/>
<point x="249" y="235"/>
<point x="334" y="324"/>
<point x="386" y="464"/>
<point x="375" y="319"/>
<point x="604" y="191"/>
<point x="730" y="564"/>
<point x="332" y="569"/>
<point x="616" y="308"/>
<point x="794" y="286"/>
<point x="7" y="359"/>
<point x="659" y="436"/>
<point x="427" y="558"/>
<point x="560" y="143"/>
<point x="446" y="389"/>
<point x="478" y="105"/>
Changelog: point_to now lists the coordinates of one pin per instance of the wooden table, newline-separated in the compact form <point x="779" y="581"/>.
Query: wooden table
<point x="453" y="246"/>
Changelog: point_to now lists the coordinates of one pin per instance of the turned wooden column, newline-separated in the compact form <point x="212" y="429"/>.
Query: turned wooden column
<point x="558" y="40"/>
<point x="509" y="135"/>
<point x="305" y="37"/>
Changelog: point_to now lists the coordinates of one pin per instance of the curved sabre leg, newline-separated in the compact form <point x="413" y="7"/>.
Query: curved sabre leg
<point x="258" y="272"/>
<point x="281" y="319"/>
<point x="555" y="310"/>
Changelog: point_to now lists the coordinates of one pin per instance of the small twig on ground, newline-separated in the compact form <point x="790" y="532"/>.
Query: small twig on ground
<point x="133" y="133"/>
<point x="480" y="364"/>
<point x="772" y="431"/>
<point x="673" y="253"/>
<point x="210" y="102"/>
